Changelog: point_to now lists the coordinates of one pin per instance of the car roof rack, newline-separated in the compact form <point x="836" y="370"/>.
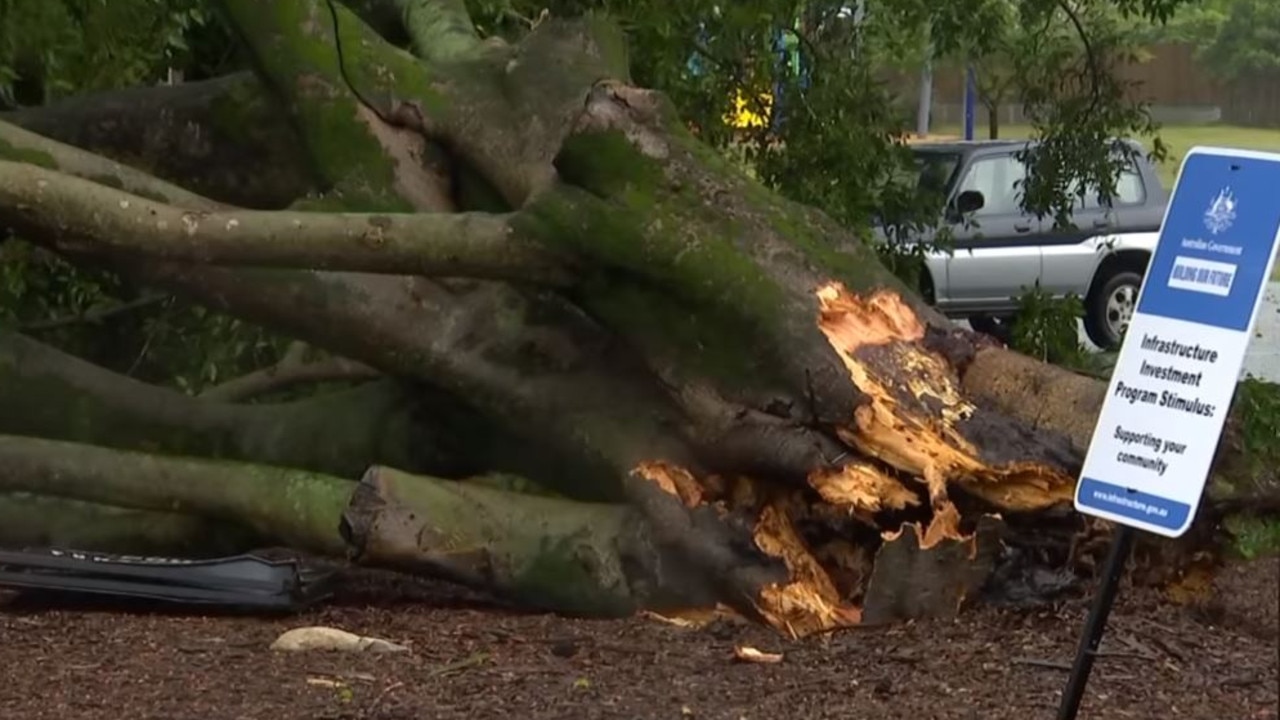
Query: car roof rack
<point x="240" y="582"/>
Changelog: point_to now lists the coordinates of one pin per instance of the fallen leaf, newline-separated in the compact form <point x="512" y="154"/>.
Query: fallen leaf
<point x="749" y="654"/>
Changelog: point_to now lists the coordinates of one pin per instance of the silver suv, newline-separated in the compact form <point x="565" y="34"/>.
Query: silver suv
<point x="1002" y="251"/>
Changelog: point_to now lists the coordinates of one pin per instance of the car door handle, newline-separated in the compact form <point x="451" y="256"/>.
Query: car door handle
<point x="1101" y="222"/>
<point x="1022" y="227"/>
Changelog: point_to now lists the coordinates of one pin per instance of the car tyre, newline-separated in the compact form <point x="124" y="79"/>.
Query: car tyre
<point x="1110" y="309"/>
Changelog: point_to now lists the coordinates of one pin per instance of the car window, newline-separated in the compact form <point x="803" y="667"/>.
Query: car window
<point x="1129" y="191"/>
<point x="999" y="179"/>
<point x="933" y="171"/>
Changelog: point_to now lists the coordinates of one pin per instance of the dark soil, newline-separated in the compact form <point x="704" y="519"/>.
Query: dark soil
<point x="470" y="659"/>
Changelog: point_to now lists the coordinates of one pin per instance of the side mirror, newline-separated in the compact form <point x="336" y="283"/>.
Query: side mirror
<point x="969" y="201"/>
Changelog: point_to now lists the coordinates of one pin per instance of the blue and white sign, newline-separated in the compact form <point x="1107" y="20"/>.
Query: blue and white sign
<point x="1176" y="373"/>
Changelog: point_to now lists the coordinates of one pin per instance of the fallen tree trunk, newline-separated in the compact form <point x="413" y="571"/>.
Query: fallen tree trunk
<point x="555" y="554"/>
<point x="737" y="403"/>
<point x="558" y="554"/>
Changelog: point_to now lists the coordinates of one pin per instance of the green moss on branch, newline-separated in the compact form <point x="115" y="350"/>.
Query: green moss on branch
<point x="65" y="211"/>
<point x="545" y="552"/>
<point x="22" y="147"/>
<point x="47" y="393"/>
<point x="222" y="138"/>
<point x="295" y="49"/>
<point x="741" y="309"/>
<point x="298" y="508"/>
<point x="558" y="555"/>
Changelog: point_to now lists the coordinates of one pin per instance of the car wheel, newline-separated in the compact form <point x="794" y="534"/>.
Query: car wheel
<point x="1111" y="308"/>
<point x="998" y="327"/>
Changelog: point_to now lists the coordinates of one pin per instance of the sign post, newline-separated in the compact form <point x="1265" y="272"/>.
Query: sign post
<point x="1178" y="366"/>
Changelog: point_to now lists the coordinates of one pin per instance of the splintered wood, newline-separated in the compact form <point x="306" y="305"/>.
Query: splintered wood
<point x="918" y="422"/>
<point x="915" y="440"/>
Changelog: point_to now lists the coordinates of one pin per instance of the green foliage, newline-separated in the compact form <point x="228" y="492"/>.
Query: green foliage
<point x="1076" y="100"/>
<point x="1196" y="24"/>
<point x="1255" y="537"/>
<point x="36" y="285"/>
<point x="1247" y="39"/>
<point x="836" y="119"/>
<point x="55" y="48"/>
<point x="1258" y="403"/>
<point x="1258" y="406"/>
<point x="1046" y="328"/>
<point x="99" y="317"/>
<point x="1232" y="37"/>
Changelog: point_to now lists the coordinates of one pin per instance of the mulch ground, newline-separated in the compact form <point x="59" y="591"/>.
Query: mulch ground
<point x="470" y="659"/>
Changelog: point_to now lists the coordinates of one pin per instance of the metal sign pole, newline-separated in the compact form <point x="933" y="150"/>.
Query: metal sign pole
<point x="1096" y="624"/>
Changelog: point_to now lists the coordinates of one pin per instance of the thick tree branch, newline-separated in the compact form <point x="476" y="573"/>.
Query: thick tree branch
<point x="1058" y="400"/>
<point x="508" y="111"/>
<point x="299" y="508"/>
<point x="28" y="520"/>
<point x="223" y="138"/>
<point x="46" y="392"/>
<point x="79" y="215"/>
<point x="292" y="370"/>
<point x="21" y="146"/>
<point x="559" y="555"/>
<point x="358" y="101"/>
<point x="554" y="554"/>
<point x="537" y="374"/>
<point x="530" y="363"/>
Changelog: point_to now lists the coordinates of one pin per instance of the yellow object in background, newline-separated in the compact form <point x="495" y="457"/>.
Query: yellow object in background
<point x="745" y="116"/>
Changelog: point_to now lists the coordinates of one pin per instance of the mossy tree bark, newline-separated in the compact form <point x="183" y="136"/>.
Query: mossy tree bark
<point x="736" y="403"/>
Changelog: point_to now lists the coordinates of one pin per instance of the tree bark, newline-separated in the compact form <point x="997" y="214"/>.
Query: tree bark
<point x="296" y="507"/>
<point x="70" y="213"/>
<point x="1060" y="401"/>
<point x="20" y="146"/>
<point x="291" y="371"/>
<point x="560" y="555"/>
<point x="33" y="521"/>
<point x="221" y="138"/>
<point x="47" y="393"/>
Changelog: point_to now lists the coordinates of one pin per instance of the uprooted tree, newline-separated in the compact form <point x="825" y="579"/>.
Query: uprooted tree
<point x="601" y="369"/>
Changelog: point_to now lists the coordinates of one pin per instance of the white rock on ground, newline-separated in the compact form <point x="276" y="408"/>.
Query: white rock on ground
<point x="327" y="638"/>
